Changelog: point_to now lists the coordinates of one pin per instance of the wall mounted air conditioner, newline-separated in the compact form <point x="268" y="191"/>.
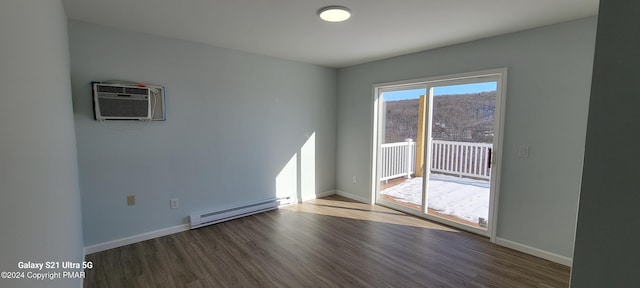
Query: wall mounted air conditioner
<point x="121" y="102"/>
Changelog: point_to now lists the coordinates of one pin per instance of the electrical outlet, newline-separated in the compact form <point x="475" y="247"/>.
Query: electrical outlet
<point x="355" y="180"/>
<point x="523" y="151"/>
<point x="131" y="200"/>
<point x="174" y="203"/>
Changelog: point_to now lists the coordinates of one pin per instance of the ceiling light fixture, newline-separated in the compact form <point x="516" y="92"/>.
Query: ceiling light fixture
<point x="334" y="13"/>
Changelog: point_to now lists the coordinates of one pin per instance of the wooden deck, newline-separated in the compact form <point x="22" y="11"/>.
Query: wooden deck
<point x="431" y="211"/>
<point x="329" y="242"/>
<point x="393" y="182"/>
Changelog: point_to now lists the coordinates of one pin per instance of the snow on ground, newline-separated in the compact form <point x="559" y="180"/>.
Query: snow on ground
<point x="464" y="198"/>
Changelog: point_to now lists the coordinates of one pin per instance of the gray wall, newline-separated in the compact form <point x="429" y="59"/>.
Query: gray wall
<point x="547" y="99"/>
<point x="606" y="247"/>
<point x="40" y="206"/>
<point x="234" y="122"/>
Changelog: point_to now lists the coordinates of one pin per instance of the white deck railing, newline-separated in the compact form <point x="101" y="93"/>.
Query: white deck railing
<point x="461" y="158"/>
<point x="398" y="159"/>
<point x="449" y="157"/>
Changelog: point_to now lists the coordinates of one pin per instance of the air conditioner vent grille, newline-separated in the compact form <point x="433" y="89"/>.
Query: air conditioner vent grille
<point x="110" y="89"/>
<point x="141" y="91"/>
<point x="116" y="107"/>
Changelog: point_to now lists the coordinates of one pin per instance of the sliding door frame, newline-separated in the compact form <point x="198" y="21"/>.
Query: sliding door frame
<point x="500" y="76"/>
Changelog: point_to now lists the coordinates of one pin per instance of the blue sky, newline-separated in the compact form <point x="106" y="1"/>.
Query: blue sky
<point x="442" y="90"/>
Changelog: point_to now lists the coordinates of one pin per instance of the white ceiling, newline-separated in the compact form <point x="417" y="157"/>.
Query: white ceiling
<point x="291" y="29"/>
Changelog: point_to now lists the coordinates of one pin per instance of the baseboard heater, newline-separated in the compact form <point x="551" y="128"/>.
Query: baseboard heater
<point x="208" y="218"/>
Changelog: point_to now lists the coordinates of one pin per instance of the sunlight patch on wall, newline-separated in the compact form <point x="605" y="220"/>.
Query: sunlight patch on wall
<point x="308" y="169"/>
<point x="287" y="179"/>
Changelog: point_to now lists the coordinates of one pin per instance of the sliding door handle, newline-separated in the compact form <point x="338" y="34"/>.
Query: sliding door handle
<point x="489" y="158"/>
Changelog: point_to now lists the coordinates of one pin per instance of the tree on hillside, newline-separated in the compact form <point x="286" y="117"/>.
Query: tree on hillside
<point x="464" y="117"/>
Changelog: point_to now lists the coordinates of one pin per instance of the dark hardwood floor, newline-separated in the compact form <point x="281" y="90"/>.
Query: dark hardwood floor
<point x="329" y="242"/>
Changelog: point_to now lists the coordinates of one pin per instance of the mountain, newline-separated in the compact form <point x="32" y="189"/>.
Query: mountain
<point x="459" y="117"/>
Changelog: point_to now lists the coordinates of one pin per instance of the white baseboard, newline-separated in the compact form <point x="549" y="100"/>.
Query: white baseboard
<point x="134" y="239"/>
<point x="155" y="234"/>
<point x="325" y="193"/>
<point x="318" y="195"/>
<point x="352" y="196"/>
<point x="535" y="252"/>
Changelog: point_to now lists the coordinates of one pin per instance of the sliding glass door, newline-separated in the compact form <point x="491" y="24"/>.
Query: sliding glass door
<point x="461" y="145"/>
<point x="436" y="148"/>
<point x="399" y="149"/>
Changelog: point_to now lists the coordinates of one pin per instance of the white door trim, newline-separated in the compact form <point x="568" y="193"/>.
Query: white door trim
<point x="499" y="75"/>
